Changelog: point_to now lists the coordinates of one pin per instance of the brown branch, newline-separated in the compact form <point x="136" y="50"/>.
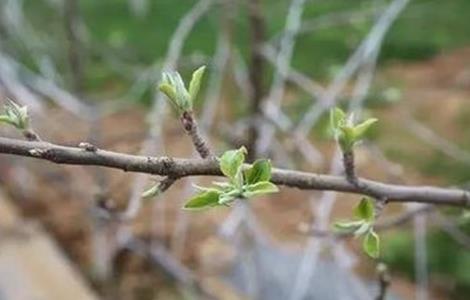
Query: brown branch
<point x="351" y="176"/>
<point x="190" y="126"/>
<point x="180" y="167"/>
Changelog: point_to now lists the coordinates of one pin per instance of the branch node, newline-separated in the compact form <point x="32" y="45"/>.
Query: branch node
<point x="87" y="147"/>
<point x="37" y="152"/>
<point x="167" y="162"/>
<point x="30" y="135"/>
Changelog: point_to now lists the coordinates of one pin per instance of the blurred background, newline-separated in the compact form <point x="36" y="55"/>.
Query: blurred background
<point x="88" y="71"/>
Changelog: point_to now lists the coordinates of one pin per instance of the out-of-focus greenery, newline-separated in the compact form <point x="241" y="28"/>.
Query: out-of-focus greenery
<point x="425" y="28"/>
<point x="448" y="261"/>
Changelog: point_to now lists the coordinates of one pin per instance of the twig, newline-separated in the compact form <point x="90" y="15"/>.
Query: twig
<point x="72" y="22"/>
<point x="421" y="258"/>
<point x="384" y="281"/>
<point x="190" y="126"/>
<point x="431" y="138"/>
<point x="283" y="61"/>
<point x="257" y="64"/>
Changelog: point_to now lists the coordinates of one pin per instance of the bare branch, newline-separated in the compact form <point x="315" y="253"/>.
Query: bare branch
<point x="179" y="167"/>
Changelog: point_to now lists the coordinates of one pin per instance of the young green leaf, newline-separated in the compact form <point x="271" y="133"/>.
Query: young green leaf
<point x="172" y="86"/>
<point x="361" y="129"/>
<point x="365" y="209"/>
<point x="346" y="138"/>
<point x="170" y="92"/>
<point x="348" y="226"/>
<point x="151" y="192"/>
<point x="364" y="228"/>
<point x="259" y="171"/>
<point x="228" y="197"/>
<point x="203" y="200"/>
<point x="195" y="83"/>
<point x="231" y="162"/>
<point x="6" y="119"/>
<point x="223" y="185"/>
<point x="15" y="115"/>
<point x="371" y="244"/>
<point x="337" y="118"/>
<point x="262" y="187"/>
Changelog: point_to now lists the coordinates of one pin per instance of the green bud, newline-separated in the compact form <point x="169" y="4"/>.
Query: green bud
<point x="195" y="83"/>
<point x="172" y="85"/>
<point x="16" y="116"/>
<point x="346" y="133"/>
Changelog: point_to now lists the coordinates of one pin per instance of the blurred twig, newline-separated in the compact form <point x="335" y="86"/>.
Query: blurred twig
<point x="257" y="71"/>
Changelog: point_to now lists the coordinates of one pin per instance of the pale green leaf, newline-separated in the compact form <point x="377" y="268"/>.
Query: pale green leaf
<point x="203" y="200"/>
<point x="231" y="162"/>
<point x="195" y="83"/>
<point x="361" y="129"/>
<point x="6" y="119"/>
<point x="364" y="228"/>
<point x="16" y="115"/>
<point x="346" y="138"/>
<point x="262" y="187"/>
<point x="206" y="189"/>
<point x="259" y="171"/>
<point x="223" y="185"/>
<point x="371" y="244"/>
<point x="170" y="92"/>
<point x="337" y="118"/>
<point x="228" y="197"/>
<point x="365" y="209"/>
<point x="151" y="192"/>
<point x="348" y="226"/>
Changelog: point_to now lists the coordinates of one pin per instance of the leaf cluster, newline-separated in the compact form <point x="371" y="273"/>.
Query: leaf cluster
<point x="346" y="133"/>
<point x="172" y="85"/>
<point x="363" y="226"/>
<point x="243" y="183"/>
<point x="15" y="115"/>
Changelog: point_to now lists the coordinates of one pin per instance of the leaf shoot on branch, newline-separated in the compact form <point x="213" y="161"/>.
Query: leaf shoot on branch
<point x="242" y="183"/>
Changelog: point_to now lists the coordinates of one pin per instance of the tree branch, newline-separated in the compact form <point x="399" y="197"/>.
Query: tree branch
<point x="179" y="167"/>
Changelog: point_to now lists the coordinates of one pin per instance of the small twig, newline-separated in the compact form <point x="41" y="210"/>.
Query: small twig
<point x="190" y="126"/>
<point x="257" y="65"/>
<point x="351" y="177"/>
<point x="384" y="281"/>
<point x="386" y="224"/>
<point x="71" y="23"/>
